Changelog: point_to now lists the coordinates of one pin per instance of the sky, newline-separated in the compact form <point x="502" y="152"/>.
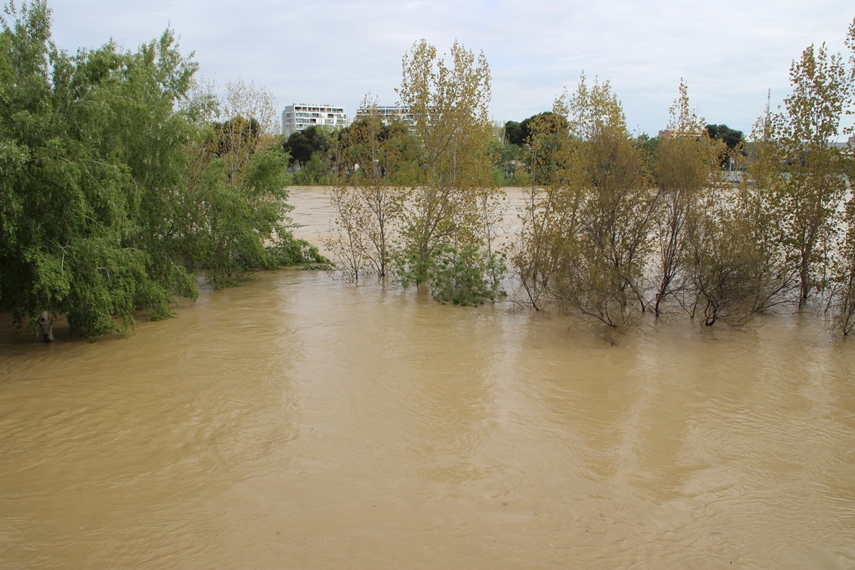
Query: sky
<point x="729" y="52"/>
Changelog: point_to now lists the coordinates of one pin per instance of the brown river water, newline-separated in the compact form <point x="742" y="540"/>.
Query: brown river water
<point x="298" y="422"/>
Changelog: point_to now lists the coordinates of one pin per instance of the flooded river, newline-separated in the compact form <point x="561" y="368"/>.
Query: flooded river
<point x="297" y="422"/>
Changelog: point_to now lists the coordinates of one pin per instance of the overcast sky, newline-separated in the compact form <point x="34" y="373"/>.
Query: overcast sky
<point x="330" y="51"/>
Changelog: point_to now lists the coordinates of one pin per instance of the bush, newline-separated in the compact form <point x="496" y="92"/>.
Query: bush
<point x="465" y="276"/>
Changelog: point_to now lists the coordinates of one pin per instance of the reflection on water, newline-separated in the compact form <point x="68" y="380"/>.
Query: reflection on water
<point x="297" y="422"/>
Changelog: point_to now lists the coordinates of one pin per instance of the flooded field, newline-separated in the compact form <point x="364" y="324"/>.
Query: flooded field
<point x="297" y="422"/>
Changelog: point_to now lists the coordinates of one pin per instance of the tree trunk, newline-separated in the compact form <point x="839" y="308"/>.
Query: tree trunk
<point x="46" y="326"/>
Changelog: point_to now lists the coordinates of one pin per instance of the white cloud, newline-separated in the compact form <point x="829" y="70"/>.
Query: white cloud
<point x="328" y="51"/>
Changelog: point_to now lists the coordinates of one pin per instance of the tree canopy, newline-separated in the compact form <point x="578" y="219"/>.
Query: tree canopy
<point x="301" y="145"/>
<point x="117" y="185"/>
<point x="730" y="137"/>
<point x="520" y="133"/>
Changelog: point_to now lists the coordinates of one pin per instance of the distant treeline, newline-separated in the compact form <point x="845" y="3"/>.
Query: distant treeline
<point x="315" y="158"/>
<point x="121" y="179"/>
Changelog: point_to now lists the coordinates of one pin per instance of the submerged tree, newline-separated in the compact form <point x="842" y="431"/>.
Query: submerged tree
<point x="443" y="214"/>
<point x="843" y="272"/>
<point x="348" y="239"/>
<point x="367" y="201"/>
<point x="686" y="163"/>
<point x="241" y="189"/>
<point x="550" y="217"/>
<point x="585" y="238"/>
<point x="720" y="259"/>
<point x="76" y="195"/>
<point x="844" y="277"/>
<point x="804" y="171"/>
<point x="116" y="186"/>
<point x="601" y="276"/>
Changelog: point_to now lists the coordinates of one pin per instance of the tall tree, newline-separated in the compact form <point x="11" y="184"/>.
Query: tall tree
<point x="807" y="190"/>
<point x="366" y="202"/>
<point x="71" y="201"/>
<point x="441" y="216"/>
<point x="601" y="278"/>
<point x="116" y="186"/>
<point x="685" y="164"/>
<point x="550" y="219"/>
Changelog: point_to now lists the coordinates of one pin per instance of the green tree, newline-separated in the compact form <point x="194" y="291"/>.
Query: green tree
<point x="303" y="145"/>
<point x="550" y="218"/>
<point x="519" y="134"/>
<point x="685" y="164"/>
<point x="117" y="184"/>
<point x="366" y="203"/>
<point x="71" y="201"/>
<point x="734" y="141"/>
<point x="445" y="211"/>
<point x="803" y="171"/>
<point x="601" y="273"/>
<point x="240" y="187"/>
<point x="507" y="160"/>
<point x="514" y="133"/>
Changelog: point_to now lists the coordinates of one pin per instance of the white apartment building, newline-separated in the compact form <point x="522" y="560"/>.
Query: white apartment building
<point x="300" y="116"/>
<point x="389" y="113"/>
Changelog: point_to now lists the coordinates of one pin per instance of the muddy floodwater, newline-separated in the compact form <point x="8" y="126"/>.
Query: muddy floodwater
<point x="297" y="422"/>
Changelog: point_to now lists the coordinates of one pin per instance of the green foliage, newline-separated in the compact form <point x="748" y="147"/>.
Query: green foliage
<point x="500" y="178"/>
<point x="465" y="276"/>
<point x="449" y="101"/>
<point x="238" y="215"/>
<point x="730" y="137"/>
<point x="519" y="134"/>
<point x="372" y="149"/>
<point x="74" y="189"/>
<point x="314" y="172"/>
<point x="117" y="185"/>
<point x="508" y="159"/>
<point x="312" y="155"/>
<point x="297" y="252"/>
<point x="514" y="134"/>
<point x="303" y="145"/>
